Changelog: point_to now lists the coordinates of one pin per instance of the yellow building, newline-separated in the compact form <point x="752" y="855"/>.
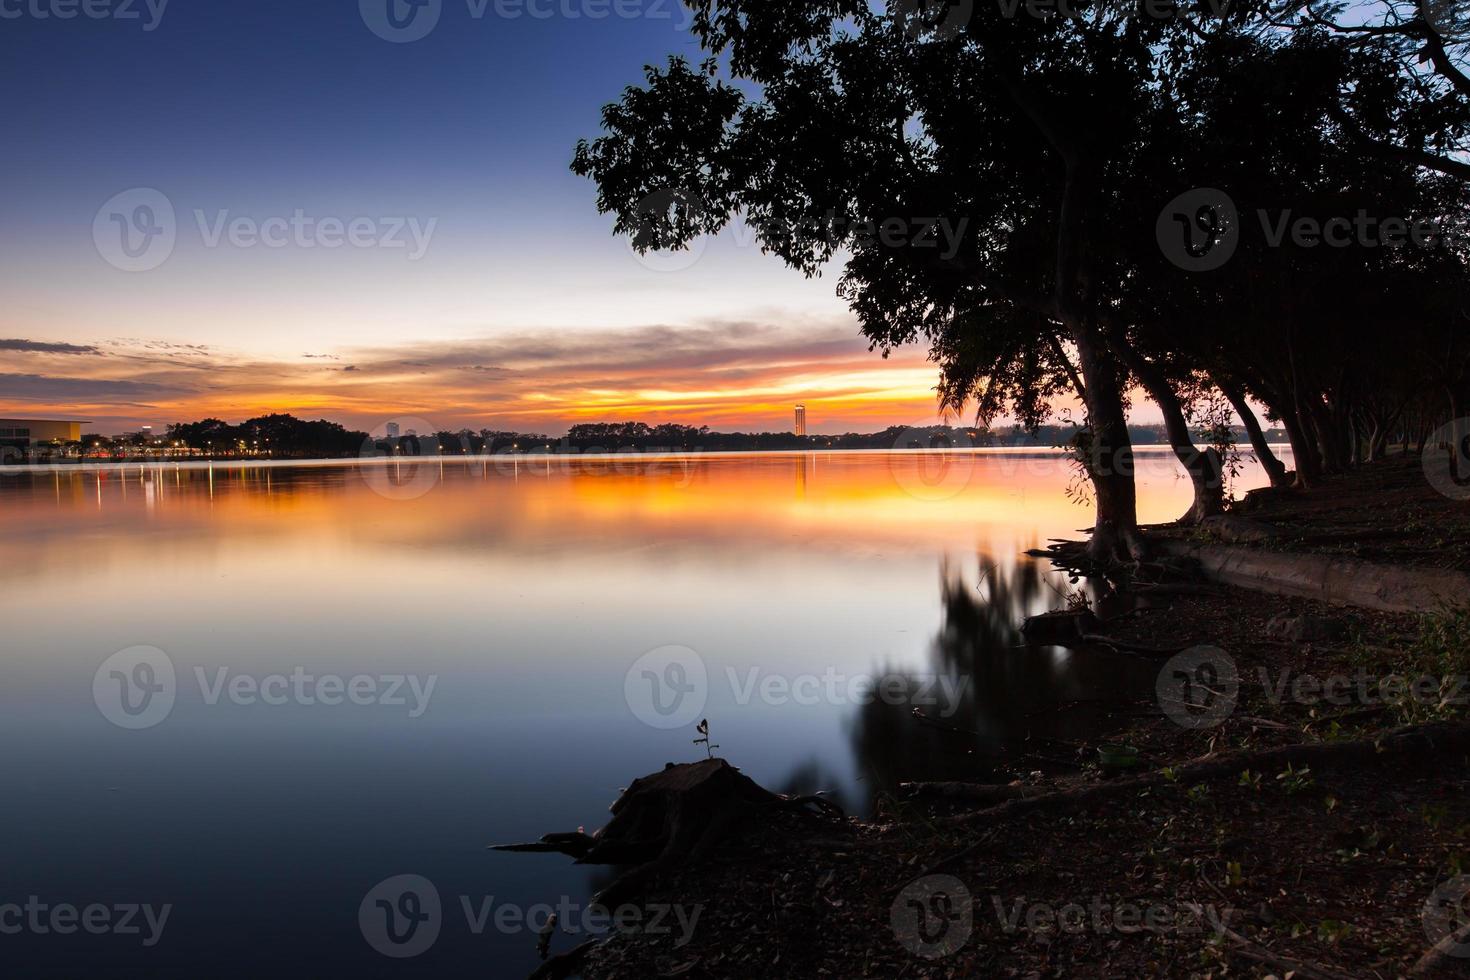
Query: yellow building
<point x="26" y="433"/>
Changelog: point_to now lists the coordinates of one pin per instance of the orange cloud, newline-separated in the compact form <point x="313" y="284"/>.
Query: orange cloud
<point x="722" y="374"/>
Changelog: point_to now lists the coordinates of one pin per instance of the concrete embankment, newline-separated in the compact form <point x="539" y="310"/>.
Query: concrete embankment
<point x="1391" y="588"/>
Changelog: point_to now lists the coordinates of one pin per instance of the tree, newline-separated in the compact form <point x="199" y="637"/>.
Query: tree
<point x="1019" y="132"/>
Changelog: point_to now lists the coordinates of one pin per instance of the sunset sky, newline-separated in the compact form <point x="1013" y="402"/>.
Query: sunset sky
<point x="523" y="311"/>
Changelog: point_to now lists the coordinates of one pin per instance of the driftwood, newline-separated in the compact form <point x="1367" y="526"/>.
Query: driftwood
<point x="669" y="819"/>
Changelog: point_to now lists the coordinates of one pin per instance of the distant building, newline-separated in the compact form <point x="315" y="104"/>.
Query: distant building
<point x="801" y="420"/>
<point x="26" y="433"/>
<point x="393" y="430"/>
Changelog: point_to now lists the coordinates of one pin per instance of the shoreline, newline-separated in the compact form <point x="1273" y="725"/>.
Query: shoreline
<point x="1150" y="451"/>
<point x="1363" y="840"/>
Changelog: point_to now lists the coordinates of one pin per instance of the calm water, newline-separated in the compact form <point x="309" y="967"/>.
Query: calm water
<point x="530" y="594"/>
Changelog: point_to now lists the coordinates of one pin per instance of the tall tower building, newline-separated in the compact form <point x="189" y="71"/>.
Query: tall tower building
<point x="801" y="420"/>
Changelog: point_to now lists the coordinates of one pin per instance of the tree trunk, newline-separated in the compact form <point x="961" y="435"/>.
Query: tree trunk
<point x="1329" y="439"/>
<point x="1205" y="468"/>
<point x="1108" y="457"/>
<point x="1303" y="450"/>
<point x="1459" y="439"/>
<point x="1275" y="469"/>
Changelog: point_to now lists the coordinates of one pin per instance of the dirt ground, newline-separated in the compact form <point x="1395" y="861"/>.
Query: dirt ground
<point x="1388" y="512"/>
<point x="1345" y="869"/>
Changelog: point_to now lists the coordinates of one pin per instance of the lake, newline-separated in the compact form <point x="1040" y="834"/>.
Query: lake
<point x="252" y="693"/>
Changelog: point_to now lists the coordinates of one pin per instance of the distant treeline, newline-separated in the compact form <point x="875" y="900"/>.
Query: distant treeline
<point x="287" y="437"/>
<point x="669" y="437"/>
<point x="279" y="436"/>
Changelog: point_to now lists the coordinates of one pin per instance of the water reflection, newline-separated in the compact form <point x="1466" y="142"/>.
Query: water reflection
<point x="528" y="587"/>
<point x="1019" y="705"/>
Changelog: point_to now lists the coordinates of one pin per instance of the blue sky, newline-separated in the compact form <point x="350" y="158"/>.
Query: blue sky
<point x="262" y="109"/>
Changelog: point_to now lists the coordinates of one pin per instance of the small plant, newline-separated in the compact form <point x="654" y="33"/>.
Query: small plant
<point x="1198" y="793"/>
<point x="1295" y="780"/>
<point x="1170" y="773"/>
<point x="1331" y="803"/>
<point x="1332" y="931"/>
<point x="1234" y="876"/>
<point x="703" y="729"/>
<point x="1251" y="780"/>
<point x="1434" y="815"/>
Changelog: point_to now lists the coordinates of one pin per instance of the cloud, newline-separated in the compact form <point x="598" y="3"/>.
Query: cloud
<point x="727" y="374"/>
<point x="40" y="386"/>
<point x="44" y="347"/>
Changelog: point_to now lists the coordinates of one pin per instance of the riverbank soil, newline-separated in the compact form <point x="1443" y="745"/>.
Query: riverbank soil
<point x="1387" y="512"/>
<point x="1294" y="799"/>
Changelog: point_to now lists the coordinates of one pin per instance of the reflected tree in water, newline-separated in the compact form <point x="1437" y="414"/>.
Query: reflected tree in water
<point x="991" y="704"/>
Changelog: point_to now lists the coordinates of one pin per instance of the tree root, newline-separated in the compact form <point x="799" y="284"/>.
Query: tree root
<point x="1431" y="738"/>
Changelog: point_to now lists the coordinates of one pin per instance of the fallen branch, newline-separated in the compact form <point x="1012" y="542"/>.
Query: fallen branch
<point x="1438" y="737"/>
<point x="971" y="792"/>
<point x="1127" y="646"/>
<point x="1260" y="954"/>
